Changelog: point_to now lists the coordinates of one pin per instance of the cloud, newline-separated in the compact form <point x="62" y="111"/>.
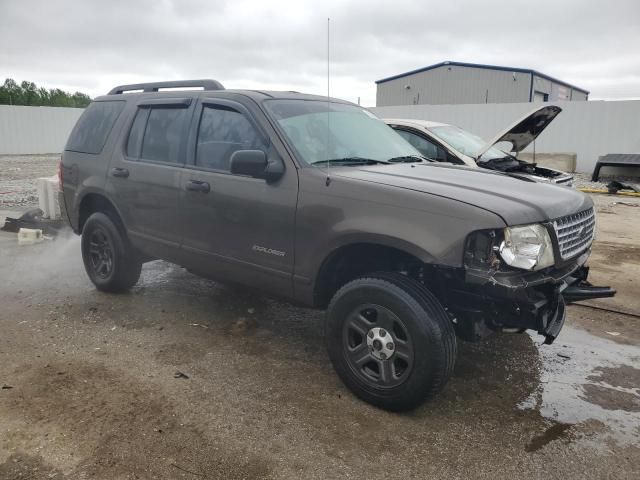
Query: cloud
<point x="93" y="45"/>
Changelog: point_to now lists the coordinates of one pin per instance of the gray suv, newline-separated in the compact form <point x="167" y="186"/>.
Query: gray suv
<point x="317" y="201"/>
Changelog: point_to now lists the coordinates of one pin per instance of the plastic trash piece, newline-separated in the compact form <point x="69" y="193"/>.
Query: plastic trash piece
<point x="29" y="236"/>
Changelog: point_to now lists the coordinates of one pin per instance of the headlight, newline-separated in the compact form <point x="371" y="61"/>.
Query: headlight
<point x="527" y="247"/>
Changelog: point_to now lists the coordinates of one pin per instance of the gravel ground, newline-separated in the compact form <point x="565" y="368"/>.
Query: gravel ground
<point x="184" y="378"/>
<point x="18" y="178"/>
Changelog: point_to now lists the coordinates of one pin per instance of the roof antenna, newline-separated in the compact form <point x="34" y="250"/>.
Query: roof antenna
<point x="328" y="181"/>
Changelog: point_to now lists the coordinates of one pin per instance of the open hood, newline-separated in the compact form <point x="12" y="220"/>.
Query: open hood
<point x="525" y="130"/>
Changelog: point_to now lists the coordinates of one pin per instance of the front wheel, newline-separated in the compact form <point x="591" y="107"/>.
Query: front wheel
<point x="390" y="341"/>
<point x="109" y="259"/>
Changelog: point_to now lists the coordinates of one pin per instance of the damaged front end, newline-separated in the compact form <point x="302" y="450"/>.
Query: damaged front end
<point x="520" y="279"/>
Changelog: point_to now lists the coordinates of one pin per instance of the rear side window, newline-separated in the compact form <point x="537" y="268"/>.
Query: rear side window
<point x="222" y="132"/>
<point x="156" y="134"/>
<point x="91" y="132"/>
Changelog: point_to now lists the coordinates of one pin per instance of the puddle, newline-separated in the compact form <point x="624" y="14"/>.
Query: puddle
<point x="583" y="379"/>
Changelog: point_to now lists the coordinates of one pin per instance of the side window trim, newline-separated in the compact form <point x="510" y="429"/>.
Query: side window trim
<point x="131" y="124"/>
<point x="165" y="102"/>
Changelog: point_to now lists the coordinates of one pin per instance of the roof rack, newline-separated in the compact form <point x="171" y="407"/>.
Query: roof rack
<point x="205" y="84"/>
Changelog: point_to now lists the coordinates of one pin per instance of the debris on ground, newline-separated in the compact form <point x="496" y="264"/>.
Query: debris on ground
<point x="6" y="387"/>
<point x="614" y="186"/>
<point x="29" y="236"/>
<point x="583" y="180"/>
<point x="32" y="219"/>
<point x="243" y="326"/>
<point x="179" y="374"/>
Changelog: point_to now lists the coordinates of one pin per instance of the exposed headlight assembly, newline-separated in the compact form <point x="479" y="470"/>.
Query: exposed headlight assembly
<point x="528" y="247"/>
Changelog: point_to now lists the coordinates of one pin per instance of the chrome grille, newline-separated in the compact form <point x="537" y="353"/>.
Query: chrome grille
<point x="575" y="232"/>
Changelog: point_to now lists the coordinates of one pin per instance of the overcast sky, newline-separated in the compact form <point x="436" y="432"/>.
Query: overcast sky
<point x="93" y="45"/>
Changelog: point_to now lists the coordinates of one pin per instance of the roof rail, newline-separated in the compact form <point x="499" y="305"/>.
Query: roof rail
<point x="206" y="84"/>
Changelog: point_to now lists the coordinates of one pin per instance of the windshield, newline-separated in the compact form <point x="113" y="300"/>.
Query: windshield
<point x="353" y="132"/>
<point x="466" y="143"/>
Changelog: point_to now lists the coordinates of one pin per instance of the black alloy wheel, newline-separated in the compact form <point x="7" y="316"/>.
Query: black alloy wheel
<point x="378" y="345"/>
<point x="100" y="253"/>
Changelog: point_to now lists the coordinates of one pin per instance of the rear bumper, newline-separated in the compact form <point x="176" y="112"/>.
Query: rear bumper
<point x="64" y="214"/>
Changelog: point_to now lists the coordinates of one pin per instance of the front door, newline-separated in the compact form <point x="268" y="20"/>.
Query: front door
<point x="236" y="228"/>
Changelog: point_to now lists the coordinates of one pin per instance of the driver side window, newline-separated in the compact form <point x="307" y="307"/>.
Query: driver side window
<point x="222" y="132"/>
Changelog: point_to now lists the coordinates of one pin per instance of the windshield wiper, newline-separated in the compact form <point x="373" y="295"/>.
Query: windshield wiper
<point x="351" y="161"/>
<point x="408" y="159"/>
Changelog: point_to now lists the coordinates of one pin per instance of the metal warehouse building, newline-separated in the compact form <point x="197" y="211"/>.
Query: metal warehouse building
<point x="457" y="83"/>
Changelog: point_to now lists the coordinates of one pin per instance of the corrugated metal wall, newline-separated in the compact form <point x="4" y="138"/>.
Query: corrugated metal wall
<point x="452" y="84"/>
<point x="34" y="130"/>
<point x="455" y="84"/>
<point x="588" y="129"/>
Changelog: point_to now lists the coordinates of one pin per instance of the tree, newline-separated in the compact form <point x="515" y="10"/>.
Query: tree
<point x="28" y="93"/>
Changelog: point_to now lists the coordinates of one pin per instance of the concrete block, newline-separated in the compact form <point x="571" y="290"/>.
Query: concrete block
<point x="48" y="197"/>
<point x="558" y="161"/>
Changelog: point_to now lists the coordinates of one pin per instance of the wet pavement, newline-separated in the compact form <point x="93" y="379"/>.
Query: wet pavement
<point x="92" y="389"/>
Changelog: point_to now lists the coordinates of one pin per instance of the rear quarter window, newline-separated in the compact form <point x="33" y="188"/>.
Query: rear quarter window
<point x="91" y="132"/>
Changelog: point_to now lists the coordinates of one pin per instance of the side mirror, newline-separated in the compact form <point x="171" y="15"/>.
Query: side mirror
<point x="253" y="163"/>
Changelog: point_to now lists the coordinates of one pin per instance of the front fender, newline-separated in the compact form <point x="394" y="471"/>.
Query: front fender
<point x="431" y="228"/>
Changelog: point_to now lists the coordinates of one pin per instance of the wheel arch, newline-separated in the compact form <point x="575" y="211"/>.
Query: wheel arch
<point x="92" y="202"/>
<point x="358" y="256"/>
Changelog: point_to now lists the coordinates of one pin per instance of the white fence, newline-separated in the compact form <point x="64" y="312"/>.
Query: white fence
<point x="588" y="129"/>
<point x="34" y="130"/>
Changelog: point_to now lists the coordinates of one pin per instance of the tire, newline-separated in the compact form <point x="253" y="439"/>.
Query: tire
<point x="110" y="261"/>
<point x="398" y="375"/>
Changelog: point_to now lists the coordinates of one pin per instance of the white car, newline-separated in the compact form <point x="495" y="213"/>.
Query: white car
<point x="447" y="143"/>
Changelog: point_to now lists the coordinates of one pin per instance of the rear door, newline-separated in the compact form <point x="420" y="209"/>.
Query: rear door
<point x="145" y="174"/>
<point x="236" y="228"/>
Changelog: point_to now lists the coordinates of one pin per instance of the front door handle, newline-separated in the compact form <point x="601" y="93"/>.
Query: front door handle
<point x="198" y="186"/>
<point x="119" y="172"/>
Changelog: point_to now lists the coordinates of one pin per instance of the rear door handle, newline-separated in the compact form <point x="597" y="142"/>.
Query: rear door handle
<point x="198" y="186"/>
<point x="119" y="172"/>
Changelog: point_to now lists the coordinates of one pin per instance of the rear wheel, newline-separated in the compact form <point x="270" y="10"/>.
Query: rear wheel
<point x="109" y="259"/>
<point x="390" y="341"/>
